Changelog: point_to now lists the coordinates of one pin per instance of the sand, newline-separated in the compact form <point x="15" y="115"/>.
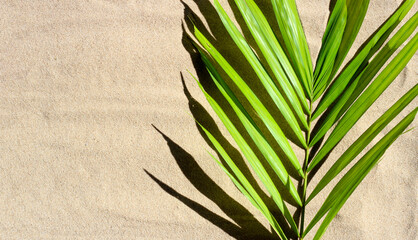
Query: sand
<point x="97" y="139"/>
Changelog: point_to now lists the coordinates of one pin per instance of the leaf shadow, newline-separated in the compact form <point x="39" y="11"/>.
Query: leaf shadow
<point x="227" y="226"/>
<point x="244" y="225"/>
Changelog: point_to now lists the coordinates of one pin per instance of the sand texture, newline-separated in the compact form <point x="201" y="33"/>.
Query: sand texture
<point x="97" y="139"/>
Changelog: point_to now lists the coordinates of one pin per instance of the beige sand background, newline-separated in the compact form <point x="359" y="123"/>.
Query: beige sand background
<point x="82" y="83"/>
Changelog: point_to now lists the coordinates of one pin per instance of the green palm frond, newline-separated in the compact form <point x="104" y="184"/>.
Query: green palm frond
<point x="285" y="71"/>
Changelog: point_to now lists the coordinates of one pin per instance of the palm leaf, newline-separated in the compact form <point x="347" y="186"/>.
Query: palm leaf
<point x="293" y="88"/>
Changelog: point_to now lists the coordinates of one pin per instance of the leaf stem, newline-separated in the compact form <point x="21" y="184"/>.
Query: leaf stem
<point x="305" y="174"/>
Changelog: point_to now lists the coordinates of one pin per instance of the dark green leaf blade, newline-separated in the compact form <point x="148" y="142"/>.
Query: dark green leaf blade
<point x="366" y="99"/>
<point x="294" y="38"/>
<point x="330" y="45"/>
<point x="364" y="140"/>
<point x="362" y="58"/>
